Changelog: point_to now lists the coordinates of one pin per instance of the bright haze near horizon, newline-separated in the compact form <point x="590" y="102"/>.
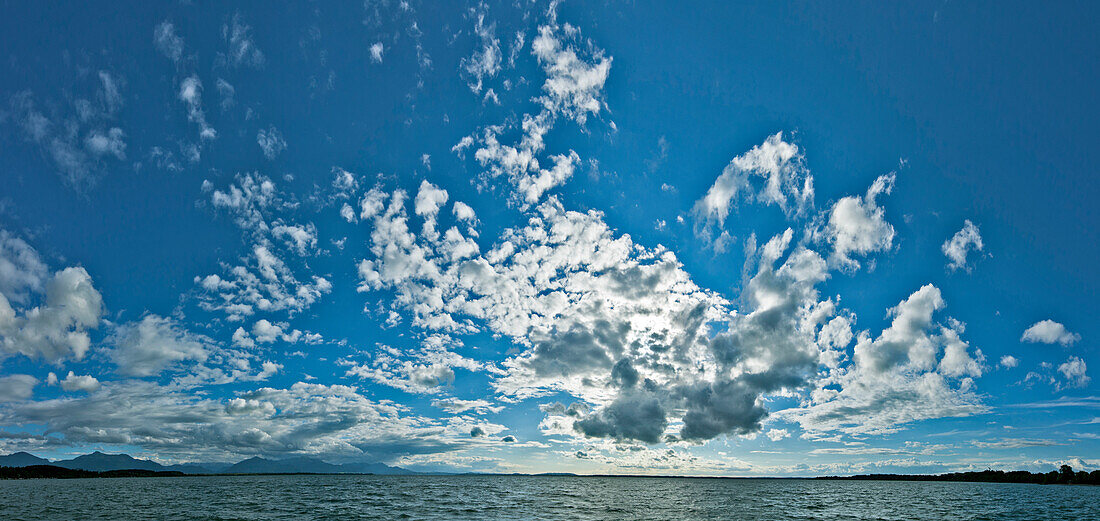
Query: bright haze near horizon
<point x="592" y="237"/>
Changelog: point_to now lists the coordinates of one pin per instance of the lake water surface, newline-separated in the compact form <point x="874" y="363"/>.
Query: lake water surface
<point x="533" y="497"/>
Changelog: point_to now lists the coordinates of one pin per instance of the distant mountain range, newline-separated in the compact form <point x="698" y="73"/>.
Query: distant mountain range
<point x="100" y="462"/>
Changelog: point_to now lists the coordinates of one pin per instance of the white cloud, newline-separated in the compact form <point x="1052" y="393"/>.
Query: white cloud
<point x="1074" y="369"/>
<point x="153" y="344"/>
<point x="857" y="225"/>
<point x="74" y="382"/>
<point x="1049" y="332"/>
<point x="463" y="212"/>
<point x="167" y="42"/>
<point x="896" y="378"/>
<point x="17" y="387"/>
<point x="110" y="95"/>
<point x="485" y="62"/>
<point x="271" y="142"/>
<point x="300" y="238"/>
<point x="785" y="182"/>
<point x="429" y="199"/>
<point x="617" y="325"/>
<point x="959" y="246"/>
<point x="227" y="93"/>
<point x="57" y="329"/>
<point x="376" y="50"/>
<point x="344" y="183"/>
<point x="266" y="332"/>
<point x="79" y="140"/>
<point x="573" y="86"/>
<point x="298" y="420"/>
<point x="1009" y="361"/>
<point x="459" y="406"/>
<point x="191" y="93"/>
<point x="268" y="277"/>
<point x="572" y="89"/>
<point x="269" y="369"/>
<point x="22" y="271"/>
<point x="241" y="49"/>
<point x="112" y="142"/>
<point x="531" y="187"/>
<point x="777" y="434"/>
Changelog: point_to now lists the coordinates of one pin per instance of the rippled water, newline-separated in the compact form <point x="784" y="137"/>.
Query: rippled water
<point x="542" y="497"/>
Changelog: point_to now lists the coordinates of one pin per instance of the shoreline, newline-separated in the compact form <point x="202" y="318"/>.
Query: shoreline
<point x="987" y="476"/>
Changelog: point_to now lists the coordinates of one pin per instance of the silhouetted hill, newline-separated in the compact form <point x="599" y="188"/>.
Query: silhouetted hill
<point x="258" y="465"/>
<point x="100" y="462"/>
<point x="190" y="468"/>
<point x="22" y="459"/>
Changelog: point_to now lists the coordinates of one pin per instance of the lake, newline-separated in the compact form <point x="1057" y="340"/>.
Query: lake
<point x="533" y="497"/>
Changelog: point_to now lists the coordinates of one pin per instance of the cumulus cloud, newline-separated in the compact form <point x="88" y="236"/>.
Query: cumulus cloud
<point x="1049" y="332"/>
<point x="167" y="42"/>
<point x="305" y="418"/>
<point x="463" y="212"/>
<point x="227" y="93"/>
<point x="111" y="142"/>
<point x="151" y="345"/>
<point x="22" y="271"/>
<point x="618" y="325"/>
<point x="426" y="370"/>
<point x="897" y="378"/>
<point x="857" y="225"/>
<point x="573" y="86"/>
<point x="961" y="244"/>
<point x="191" y="94"/>
<point x="17" y="387"/>
<point x="1009" y="361"/>
<point x="77" y="137"/>
<point x="300" y="238"/>
<point x="777" y="434"/>
<point x="783" y="177"/>
<point x="74" y="382"/>
<point x="485" y="62"/>
<point x="572" y="89"/>
<point x="1074" y="372"/>
<point x="270" y="277"/>
<point x="271" y="142"/>
<point x="376" y="50"/>
<point x="241" y="49"/>
<point x="58" y="328"/>
<point x="459" y="406"/>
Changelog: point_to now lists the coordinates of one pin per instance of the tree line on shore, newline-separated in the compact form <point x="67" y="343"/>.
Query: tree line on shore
<point x="1063" y="476"/>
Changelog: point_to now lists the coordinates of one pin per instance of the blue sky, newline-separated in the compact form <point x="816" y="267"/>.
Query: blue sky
<point x="782" y="239"/>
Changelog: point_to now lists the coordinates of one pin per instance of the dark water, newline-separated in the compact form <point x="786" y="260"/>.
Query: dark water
<point x="521" y="498"/>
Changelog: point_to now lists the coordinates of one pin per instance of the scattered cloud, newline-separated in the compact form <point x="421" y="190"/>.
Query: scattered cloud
<point x="149" y="346"/>
<point x="376" y="50"/>
<point x="271" y="142"/>
<point x="56" y="329"/>
<point x="784" y="181"/>
<point x="167" y="42"/>
<point x="85" y="383"/>
<point x="1073" y="369"/>
<point x="857" y="225"/>
<point x="961" y="244"/>
<point x="241" y="50"/>
<point x="17" y="387"/>
<point x="1049" y="332"/>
